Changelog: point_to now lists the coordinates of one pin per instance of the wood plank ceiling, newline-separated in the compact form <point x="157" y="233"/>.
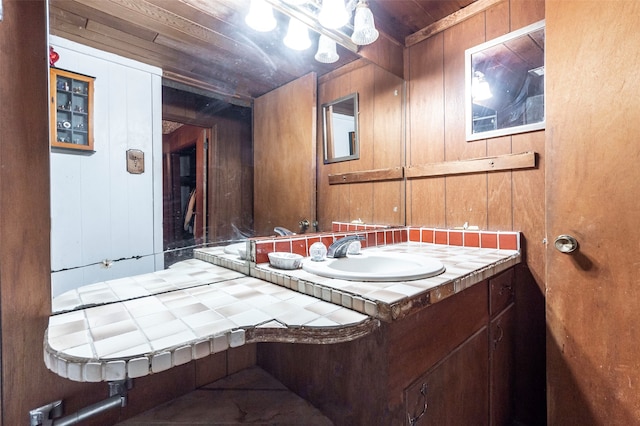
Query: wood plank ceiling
<point x="205" y="44"/>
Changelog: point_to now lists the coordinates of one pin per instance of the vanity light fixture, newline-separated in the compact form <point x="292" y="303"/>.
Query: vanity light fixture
<point x="333" y="14"/>
<point x="480" y="89"/>
<point x="326" y="50"/>
<point x="329" y="18"/>
<point x="260" y="16"/>
<point x="364" y="29"/>
<point x="297" y="37"/>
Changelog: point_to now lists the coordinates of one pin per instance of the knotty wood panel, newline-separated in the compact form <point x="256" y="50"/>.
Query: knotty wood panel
<point x="285" y="156"/>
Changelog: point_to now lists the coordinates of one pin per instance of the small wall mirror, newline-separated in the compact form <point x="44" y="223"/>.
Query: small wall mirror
<point x="505" y="84"/>
<point x="340" y="129"/>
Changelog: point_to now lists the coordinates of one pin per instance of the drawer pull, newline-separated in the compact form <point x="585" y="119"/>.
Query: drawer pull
<point x="423" y="392"/>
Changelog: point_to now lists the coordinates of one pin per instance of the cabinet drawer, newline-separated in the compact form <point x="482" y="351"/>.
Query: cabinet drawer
<point x="500" y="291"/>
<point x="454" y="392"/>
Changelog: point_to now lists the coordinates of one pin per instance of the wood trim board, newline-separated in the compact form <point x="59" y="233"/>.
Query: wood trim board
<point x="525" y="160"/>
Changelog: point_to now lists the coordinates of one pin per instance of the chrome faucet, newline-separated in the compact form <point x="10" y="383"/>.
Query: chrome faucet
<point x="339" y="247"/>
<point x="282" y="232"/>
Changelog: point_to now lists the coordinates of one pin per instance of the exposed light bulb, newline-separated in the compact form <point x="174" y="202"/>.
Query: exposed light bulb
<point x="333" y="14"/>
<point x="297" y="37"/>
<point x="260" y="16"/>
<point x="326" y="50"/>
<point x="480" y="89"/>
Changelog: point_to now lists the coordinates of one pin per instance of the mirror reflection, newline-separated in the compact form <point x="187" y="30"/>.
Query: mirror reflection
<point x="505" y="84"/>
<point x="198" y="185"/>
<point x="340" y="129"/>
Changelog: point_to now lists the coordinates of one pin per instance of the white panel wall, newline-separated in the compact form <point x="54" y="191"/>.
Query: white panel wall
<point x="100" y="212"/>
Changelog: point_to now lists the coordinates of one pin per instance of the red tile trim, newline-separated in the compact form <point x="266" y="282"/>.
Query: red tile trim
<point x="262" y="250"/>
<point x="489" y="240"/>
<point x="428" y="236"/>
<point x="380" y="236"/>
<point x="441" y="237"/>
<point x="471" y="239"/>
<point x="508" y="241"/>
<point x="455" y="238"/>
<point x="485" y="239"/>
<point x="283" y="245"/>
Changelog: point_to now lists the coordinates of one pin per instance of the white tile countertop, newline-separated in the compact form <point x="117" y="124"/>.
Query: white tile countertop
<point x="389" y="301"/>
<point x="152" y="333"/>
<point x="152" y="322"/>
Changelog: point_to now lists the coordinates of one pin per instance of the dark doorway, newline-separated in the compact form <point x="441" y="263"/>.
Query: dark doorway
<point x="184" y="186"/>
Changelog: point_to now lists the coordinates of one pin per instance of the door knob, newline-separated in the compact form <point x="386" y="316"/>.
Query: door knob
<point x="566" y="243"/>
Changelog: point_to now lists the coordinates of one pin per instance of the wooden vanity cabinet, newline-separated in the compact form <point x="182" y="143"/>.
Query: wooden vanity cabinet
<point x="472" y="384"/>
<point x="458" y="353"/>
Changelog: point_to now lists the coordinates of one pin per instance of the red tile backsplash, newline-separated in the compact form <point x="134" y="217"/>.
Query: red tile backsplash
<point x="299" y="246"/>
<point x="441" y="237"/>
<point x="471" y="239"/>
<point x="262" y="250"/>
<point x="488" y="240"/>
<point x="376" y="235"/>
<point x="455" y="238"/>
<point x="507" y="241"/>
<point x="283" y="245"/>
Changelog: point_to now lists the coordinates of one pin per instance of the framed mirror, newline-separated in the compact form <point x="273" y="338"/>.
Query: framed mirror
<point x="340" y="129"/>
<point x="504" y="84"/>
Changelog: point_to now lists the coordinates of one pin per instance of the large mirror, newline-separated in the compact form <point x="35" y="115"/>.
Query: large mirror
<point x="504" y="81"/>
<point x="340" y="129"/>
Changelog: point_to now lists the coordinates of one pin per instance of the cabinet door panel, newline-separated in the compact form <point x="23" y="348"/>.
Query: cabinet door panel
<point x="454" y="391"/>
<point x="501" y="291"/>
<point x="501" y="346"/>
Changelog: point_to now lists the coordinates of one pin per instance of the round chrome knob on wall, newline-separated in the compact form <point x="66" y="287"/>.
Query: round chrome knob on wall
<point x="566" y="243"/>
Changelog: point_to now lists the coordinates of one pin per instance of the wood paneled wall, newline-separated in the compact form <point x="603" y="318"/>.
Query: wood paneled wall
<point x="284" y="155"/>
<point x="436" y="132"/>
<point x="230" y="177"/>
<point x="381" y="103"/>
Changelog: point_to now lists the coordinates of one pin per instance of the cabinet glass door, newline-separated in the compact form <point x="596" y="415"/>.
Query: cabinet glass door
<point x="72" y="104"/>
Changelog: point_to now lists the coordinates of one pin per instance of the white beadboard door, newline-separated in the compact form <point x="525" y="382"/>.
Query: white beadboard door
<point x="99" y="211"/>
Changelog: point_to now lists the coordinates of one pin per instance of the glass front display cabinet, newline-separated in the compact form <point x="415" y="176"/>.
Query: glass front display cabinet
<point x="71" y="110"/>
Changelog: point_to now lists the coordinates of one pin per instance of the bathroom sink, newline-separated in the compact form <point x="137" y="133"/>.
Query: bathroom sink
<point x="376" y="266"/>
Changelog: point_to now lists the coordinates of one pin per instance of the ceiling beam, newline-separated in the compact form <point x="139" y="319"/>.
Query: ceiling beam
<point x="449" y="21"/>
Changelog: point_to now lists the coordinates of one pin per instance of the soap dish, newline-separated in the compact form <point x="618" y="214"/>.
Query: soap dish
<point x="285" y="260"/>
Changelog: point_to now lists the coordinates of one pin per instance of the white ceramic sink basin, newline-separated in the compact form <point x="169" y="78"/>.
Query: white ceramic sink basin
<point x="376" y="266"/>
